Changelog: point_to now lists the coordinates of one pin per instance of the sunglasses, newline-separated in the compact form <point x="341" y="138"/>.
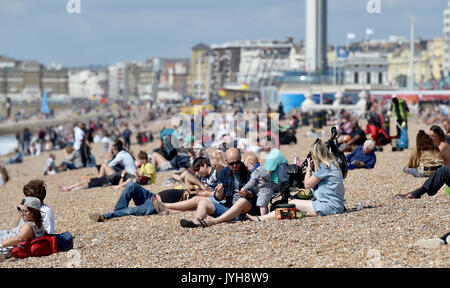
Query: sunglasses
<point x="236" y="163"/>
<point x="22" y="211"/>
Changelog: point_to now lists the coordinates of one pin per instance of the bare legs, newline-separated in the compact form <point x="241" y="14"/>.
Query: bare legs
<point x="178" y="207"/>
<point x="158" y="160"/>
<point x="242" y="206"/>
<point x="105" y="170"/>
<point x="300" y="205"/>
<point x="81" y="185"/>
<point x="203" y="207"/>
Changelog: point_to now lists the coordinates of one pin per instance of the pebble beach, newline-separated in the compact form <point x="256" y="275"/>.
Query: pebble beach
<point x="382" y="234"/>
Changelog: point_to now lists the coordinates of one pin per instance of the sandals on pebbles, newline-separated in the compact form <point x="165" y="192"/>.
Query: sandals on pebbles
<point x="185" y="223"/>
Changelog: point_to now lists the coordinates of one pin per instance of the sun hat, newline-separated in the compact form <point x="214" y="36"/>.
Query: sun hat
<point x="32" y="202"/>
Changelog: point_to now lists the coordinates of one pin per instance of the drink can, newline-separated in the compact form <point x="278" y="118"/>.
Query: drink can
<point x="301" y="215"/>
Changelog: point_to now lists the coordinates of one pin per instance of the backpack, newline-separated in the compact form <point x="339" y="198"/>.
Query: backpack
<point x="65" y="241"/>
<point x="168" y="151"/>
<point x="41" y="246"/>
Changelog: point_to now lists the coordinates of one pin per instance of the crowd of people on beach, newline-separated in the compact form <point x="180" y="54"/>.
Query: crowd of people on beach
<point x="227" y="181"/>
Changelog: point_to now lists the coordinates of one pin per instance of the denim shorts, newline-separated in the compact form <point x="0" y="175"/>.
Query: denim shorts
<point x="219" y="207"/>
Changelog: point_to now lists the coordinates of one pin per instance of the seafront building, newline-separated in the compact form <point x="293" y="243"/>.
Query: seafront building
<point x="26" y="80"/>
<point x="200" y="72"/>
<point x="88" y="84"/>
<point x="447" y="40"/>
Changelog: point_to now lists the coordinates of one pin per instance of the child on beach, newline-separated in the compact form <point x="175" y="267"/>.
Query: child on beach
<point x="147" y="172"/>
<point x="49" y="167"/>
<point x="260" y="182"/>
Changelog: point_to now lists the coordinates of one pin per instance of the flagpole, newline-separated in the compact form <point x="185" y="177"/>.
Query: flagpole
<point x="411" y="57"/>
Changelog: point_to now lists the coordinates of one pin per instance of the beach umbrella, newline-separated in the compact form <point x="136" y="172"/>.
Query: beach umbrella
<point x="44" y="107"/>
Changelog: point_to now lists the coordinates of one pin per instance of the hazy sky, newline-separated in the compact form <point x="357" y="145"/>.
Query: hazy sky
<point x="107" y="31"/>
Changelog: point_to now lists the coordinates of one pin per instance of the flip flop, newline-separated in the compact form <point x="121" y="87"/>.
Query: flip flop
<point x="185" y="223"/>
<point x="202" y="222"/>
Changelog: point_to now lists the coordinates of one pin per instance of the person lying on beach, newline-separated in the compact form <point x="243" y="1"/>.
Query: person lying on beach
<point x="108" y="180"/>
<point x="228" y="201"/>
<point x="363" y="157"/>
<point x="434" y="183"/>
<point x="329" y="195"/>
<point x="30" y="227"/>
<point x="142" y="199"/>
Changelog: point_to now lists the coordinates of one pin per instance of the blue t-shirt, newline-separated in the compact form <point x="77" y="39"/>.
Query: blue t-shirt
<point x="330" y="190"/>
<point x="369" y="160"/>
<point x="273" y="160"/>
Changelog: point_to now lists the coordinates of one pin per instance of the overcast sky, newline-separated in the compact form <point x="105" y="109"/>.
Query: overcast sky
<point x="107" y="31"/>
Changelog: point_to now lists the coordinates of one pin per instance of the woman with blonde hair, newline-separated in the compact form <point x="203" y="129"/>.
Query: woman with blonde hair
<point x="329" y="196"/>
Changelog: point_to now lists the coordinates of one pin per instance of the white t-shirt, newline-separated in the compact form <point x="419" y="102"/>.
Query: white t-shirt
<point x="124" y="158"/>
<point x="49" y="164"/>
<point x="48" y="220"/>
<point x="79" y="135"/>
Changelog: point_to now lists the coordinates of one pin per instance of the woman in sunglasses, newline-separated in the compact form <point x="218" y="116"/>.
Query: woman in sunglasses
<point x="329" y="195"/>
<point x="30" y="227"/>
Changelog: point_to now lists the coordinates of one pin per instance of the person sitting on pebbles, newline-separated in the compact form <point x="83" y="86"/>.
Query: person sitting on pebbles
<point x="434" y="183"/>
<point x="143" y="200"/>
<point x="329" y="180"/>
<point x="439" y="138"/>
<point x="195" y="189"/>
<point x="425" y="159"/>
<point x="228" y="202"/>
<point x="30" y="227"/>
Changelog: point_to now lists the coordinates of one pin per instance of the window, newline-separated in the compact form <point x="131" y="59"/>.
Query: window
<point x="368" y="77"/>
<point x="380" y="78"/>
<point x="356" y="80"/>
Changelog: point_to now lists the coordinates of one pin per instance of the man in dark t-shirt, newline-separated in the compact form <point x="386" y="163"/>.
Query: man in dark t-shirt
<point x="357" y="138"/>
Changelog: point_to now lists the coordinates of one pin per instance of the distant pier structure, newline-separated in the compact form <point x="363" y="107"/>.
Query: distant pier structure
<point x="316" y="36"/>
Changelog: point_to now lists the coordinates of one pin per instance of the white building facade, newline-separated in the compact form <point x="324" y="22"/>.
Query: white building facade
<point x="87" y="84"/>
<point x="447" y="40"/>
<point x="116" y="80"/>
